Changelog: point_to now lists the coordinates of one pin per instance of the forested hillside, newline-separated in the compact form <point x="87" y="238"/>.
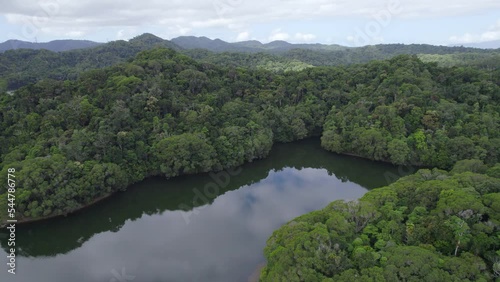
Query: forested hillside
<point x="22" y="67"/>
<point x="55" y="46"/>
<point x="430" y="226"/>
<point x="260" y="60"/>
<point x="488" y="61"/>
<point x="252" y="46"/>
<point x="166" y="114"/>
<point x="405" y="111"/>
<point x="445" y="56"/>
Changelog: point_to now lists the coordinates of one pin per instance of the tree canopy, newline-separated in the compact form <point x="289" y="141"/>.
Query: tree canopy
<point x="430" y="226"/>
<point x="164" y="113"/>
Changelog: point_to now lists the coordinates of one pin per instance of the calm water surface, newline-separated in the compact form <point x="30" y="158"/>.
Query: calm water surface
<point x="192" y="228"/>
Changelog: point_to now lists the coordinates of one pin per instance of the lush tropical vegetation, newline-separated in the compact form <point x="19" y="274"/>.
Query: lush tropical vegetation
<point x="164" y="113"/>
<point x="24" y="66"/>
<point x="405" y="111"/>
<point x="83" y="124"/>
<point x="430" y="226"/>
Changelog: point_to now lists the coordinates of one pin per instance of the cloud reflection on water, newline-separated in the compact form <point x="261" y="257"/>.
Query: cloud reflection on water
<point x="223" y="242"/>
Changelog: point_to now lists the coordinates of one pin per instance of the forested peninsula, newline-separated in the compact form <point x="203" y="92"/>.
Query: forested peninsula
<point x="430" y="226"/>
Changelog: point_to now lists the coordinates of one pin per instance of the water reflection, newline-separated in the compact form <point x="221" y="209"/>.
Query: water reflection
<point x="143" y="233"/>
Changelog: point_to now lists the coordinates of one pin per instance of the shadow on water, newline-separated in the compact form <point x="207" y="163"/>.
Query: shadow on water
<point x="157" y="195"/>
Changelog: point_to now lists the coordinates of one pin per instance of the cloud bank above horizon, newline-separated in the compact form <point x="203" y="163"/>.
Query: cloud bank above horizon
<point x="342" y="22"/>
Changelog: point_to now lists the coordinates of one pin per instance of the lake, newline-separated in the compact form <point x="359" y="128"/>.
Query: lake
<point x="209" y="227"/>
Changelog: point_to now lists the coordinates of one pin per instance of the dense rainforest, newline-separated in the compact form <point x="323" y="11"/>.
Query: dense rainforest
<point x="23" y="66"/>
<point x="83" y="124"/>
<point x="430" y="226"/>
<point x="164" y="113"/>
<point x="404" y="111"/>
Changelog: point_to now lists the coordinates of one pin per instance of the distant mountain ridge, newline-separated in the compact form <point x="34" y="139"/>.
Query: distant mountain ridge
<point x="483" y="45"/>
<point x="67" y="59"/>
<point x="23" y="66"/>
<point x="181" y="42"/>
<point x="55" y="46"/>
<point x="251" y="46"/>
<point x="214" y="45"/>
<point x="70" y="44"/>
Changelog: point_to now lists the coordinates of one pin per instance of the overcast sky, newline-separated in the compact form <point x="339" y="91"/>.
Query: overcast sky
<point x="346" y="22"/>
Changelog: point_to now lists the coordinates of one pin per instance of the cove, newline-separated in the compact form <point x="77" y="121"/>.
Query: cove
<point x="159" y="230"/>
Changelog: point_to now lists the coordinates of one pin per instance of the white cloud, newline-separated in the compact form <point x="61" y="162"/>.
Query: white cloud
<point x="58" y="17"/>
<point x="119" y="34"/>
<point x="179" y="30"/>
<point x="212" y="23"/>
<point x="491" y="34"/>
<point x="304" y="37"/>
<point x="126" y="33"/>
<point x="277" y="34"/>
<point x="237" y="26"/>
<point x="362" y="39"/>
<point x="243" y="36"/>
<point x="75" y="33"/>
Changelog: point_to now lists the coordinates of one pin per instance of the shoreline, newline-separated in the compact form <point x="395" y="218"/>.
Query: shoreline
<point x="39" y="219"/>
<point x="255" y="276"/>
<point x="3" y="224"/>
<point x="382" y="161"/>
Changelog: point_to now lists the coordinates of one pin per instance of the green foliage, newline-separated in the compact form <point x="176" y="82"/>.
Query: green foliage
<point x="164" y="113"/>
<point x="23" y="66"/>
<point x="399" y="151"/>
<point x="494" y="171"/>
<point x="187" y="153"/>
<point x="407" y="112"/>
<point x="392" y="235"/>
<point x="476" y="166"/>
<point x="478" y="59"/>
<point x="110" y="116"/>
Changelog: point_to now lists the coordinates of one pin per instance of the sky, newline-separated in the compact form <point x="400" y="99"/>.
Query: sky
<point x="344" y="22"/>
